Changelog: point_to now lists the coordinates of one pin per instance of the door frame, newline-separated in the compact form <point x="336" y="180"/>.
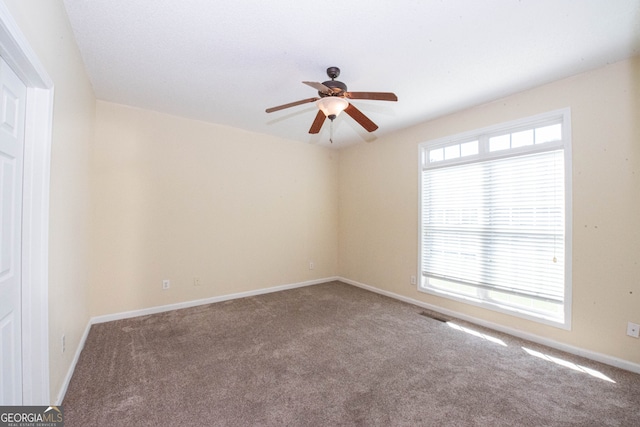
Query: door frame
<point x="16" y="51"/>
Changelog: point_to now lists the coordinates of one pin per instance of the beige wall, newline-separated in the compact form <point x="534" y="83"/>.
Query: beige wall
<point x="45" y="25"/>
<point x="378" y="199"/>
<point x="179" y="199"/>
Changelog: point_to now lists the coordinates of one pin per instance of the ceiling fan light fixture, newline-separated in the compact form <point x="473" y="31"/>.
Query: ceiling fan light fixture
<point x="332" y="106"/>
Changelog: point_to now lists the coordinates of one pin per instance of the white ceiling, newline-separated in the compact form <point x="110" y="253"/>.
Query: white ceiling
<point x="226" y="61"/>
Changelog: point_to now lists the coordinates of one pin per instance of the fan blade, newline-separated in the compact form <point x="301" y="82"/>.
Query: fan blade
<point x="359" y="117"/>
<point x="291" y="104"/>
<point x="317" y="122"/>
<point x="376" y="96"/>
<point x="319" y="87"/>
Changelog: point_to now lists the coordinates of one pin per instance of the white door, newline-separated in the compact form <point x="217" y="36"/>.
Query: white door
<point x="12" y="114"/>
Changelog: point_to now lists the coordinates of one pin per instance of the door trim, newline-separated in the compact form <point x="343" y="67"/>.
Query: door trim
<point x="17" y="52"/>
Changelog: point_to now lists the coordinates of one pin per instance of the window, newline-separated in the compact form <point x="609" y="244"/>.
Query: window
<point x="495" y="218"/>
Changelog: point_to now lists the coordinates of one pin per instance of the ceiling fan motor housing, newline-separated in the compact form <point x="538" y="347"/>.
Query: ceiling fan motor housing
<point x="337" y="88"/>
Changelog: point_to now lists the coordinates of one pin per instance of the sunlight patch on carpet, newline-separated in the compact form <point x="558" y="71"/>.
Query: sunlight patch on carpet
<point x="477" y="334"/>
<point x="569" y="365"/>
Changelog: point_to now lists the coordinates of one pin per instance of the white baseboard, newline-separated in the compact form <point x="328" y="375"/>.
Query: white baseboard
<point x="72" y="368"/>
<point x="588" y="354"/>
<point x="194" y="303"/>
<point x="169" y="307"/>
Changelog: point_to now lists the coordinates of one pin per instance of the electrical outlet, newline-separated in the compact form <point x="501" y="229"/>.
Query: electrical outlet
<point x="64" y="343"/>
<point x="413" y="280"/>
<point x="311" y="265"/>
<point x="166" y="284"/>
<point x="633" y="330"/>
<point x="196" y="281"/>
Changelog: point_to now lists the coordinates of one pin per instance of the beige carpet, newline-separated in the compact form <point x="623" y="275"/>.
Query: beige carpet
<point x="333" y="355"/>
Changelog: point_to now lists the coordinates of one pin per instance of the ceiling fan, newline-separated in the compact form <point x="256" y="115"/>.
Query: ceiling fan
<point x="332" y="100"/>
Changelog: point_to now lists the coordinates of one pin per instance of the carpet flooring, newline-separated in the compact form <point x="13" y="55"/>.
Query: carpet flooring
<point x="333" y="355"/>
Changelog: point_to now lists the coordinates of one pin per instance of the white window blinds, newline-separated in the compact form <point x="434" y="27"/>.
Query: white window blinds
<point x="498" y="224"/>
<point x="493" y="224"/>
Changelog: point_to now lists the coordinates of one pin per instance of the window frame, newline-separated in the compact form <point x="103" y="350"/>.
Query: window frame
<point x="482" y="135"/>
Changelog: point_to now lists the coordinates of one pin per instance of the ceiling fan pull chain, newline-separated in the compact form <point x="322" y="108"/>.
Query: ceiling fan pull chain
<point x="331" y="132"/>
